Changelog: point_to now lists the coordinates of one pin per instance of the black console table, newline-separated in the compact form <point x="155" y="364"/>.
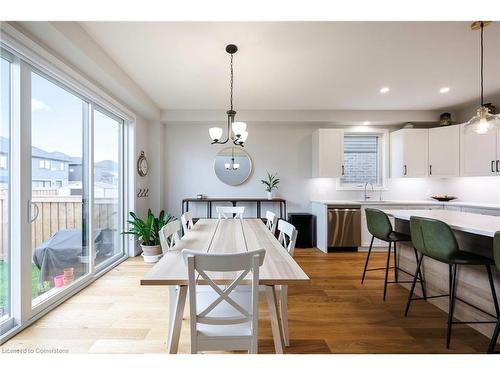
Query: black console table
<point x="234" y="201"/>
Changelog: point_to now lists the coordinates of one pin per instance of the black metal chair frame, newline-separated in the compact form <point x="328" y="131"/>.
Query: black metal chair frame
<point x="395" y="267"/>
<point x="452" y="298"/>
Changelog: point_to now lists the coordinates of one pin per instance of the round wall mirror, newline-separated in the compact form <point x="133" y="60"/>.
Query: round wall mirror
<point x="233" y="166"/>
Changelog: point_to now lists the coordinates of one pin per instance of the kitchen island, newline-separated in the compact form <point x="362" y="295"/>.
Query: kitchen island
<point x="474" y="233"/>
<point x="319" y="208"/>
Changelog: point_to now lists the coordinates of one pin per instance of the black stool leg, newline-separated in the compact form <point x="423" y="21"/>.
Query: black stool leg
<point x="421" y="276"/>
<point x="367" y="258"/>
<point x="451" y="306"/>
<point x="417" y="271"/>
<point x="493" y="292"/>
<point x="494" y="338"/>
<point x="387" y="269"/>
<point x="396" y="271"/>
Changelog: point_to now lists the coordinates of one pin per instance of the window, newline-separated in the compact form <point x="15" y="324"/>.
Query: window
<point x="363" y="160"/>
<point x="58" y="115"/>
<point x="44" y="164"/>
<point x="61" y="167"/>
<point x="107" y="193"/>
<point x="5" y="264"/>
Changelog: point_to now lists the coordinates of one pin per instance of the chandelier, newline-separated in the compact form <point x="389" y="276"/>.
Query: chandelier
<point x="235" y="130"/>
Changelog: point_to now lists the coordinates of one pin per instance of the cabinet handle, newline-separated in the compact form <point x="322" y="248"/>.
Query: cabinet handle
<point x="405" y="170"/>
<point x="498" y="161"/>
<point x="493" y="166"/>
<point x="343" y="170"/>
<point x="430" y="170"/>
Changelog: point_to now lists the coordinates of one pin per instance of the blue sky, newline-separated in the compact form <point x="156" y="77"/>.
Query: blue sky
<point x="57" y="119"/>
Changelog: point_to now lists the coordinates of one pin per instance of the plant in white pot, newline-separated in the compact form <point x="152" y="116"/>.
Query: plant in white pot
<point x="271" y="184"/>
<point x="148" y="233"/>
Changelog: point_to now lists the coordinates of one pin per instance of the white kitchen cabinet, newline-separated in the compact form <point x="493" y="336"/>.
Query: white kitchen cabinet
<point x="444" y="151"/>
<point x="327" y="153"/>
<point x="480" y="153"/>
<point x="366" y="237"/>
<point x="409" y="153"/>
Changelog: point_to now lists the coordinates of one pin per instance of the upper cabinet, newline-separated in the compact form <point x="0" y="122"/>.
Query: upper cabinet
<point x="480" y="155"/>
<point x="444" y="151"/>
<point x="327" y="153"/>
<point x="409" y="153"/>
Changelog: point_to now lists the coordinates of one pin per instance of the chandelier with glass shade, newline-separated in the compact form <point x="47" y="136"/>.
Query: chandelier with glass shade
<point x="484" y="121"/>
<point x="236" y="130"/>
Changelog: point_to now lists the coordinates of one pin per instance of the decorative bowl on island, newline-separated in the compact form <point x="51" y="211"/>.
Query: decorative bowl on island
<point x="443" y="198"/>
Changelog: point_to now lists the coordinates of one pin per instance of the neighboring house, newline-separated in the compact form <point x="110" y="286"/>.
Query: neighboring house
<point x="49" y="169"/>
<point x="56" y="170"/>
<point x="105" y="171"/>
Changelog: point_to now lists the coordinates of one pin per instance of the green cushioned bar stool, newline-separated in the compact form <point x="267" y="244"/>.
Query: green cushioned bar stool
<point x="435" y="239"/>
<point x="496" y="255"/>
<point x="380" y="227"/>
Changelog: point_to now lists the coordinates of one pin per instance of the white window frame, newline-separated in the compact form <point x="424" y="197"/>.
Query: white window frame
<point x="8" y="322"/>
<point x="383" y="136"/>
<point x="29" y="56"/>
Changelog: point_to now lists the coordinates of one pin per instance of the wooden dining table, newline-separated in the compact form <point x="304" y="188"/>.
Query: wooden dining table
<point x="226" y="236"/>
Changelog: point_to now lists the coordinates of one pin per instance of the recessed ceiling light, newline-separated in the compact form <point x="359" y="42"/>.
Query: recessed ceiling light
<point x="444" y="90"/>
<point x="385" y="90"/>
<point x="366" y="122"/>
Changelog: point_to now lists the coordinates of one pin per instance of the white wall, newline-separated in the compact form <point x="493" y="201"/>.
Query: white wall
<point x="275" y="147"/>
<point x="285" y="147"/>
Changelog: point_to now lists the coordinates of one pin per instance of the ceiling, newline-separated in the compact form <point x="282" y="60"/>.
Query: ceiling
<point x="304" y="65"/>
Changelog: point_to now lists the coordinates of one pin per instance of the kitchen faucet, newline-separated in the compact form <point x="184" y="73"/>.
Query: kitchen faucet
<point x="366" y="185"/>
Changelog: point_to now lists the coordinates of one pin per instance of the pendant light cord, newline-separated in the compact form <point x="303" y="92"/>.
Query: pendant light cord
<point x="231" y="101"/>
<point x="482" y="58"/>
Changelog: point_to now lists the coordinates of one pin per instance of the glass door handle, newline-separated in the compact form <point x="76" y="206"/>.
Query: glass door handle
<point x="32" y="218"/>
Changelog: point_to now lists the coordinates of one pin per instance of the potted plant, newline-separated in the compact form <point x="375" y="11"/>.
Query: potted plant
<point x="271" y="184"/>
<point x="148" y="232"/>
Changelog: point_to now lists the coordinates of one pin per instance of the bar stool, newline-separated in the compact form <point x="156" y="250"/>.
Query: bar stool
<point x="380" y="227"/>
<point x="435" y="239"/>
<point x="496" y="256"/>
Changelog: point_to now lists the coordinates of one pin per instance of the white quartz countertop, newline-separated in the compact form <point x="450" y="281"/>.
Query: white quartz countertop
<point x="483" y="225"/>
<point x="407" y="203"/>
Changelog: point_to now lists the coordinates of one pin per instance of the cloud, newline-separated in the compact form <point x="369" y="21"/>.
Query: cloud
<point x="38" y="105"/>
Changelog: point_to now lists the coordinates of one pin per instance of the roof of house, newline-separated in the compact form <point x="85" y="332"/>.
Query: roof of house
<point x="35" y="151"/>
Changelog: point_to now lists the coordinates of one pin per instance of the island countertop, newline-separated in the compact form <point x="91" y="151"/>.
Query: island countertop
<point x="483" y="225"/>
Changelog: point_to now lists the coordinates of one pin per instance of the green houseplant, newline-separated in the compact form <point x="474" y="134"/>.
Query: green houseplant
<point x="148" y="232"/>
<point x="271" y="183"/>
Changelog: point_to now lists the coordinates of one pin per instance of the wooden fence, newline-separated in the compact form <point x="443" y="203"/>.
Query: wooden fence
<point x="60" y="212"/>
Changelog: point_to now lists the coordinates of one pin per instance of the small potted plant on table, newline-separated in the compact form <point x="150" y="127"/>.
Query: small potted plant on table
<point x="148" y="233"/>
<point x="271" y="184"/>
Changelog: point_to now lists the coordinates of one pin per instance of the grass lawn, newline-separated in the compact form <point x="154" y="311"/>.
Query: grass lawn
<point x="4" y="274"/>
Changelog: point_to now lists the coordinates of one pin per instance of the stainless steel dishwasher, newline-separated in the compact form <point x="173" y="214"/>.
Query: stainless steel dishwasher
<point x="344" y="228"/>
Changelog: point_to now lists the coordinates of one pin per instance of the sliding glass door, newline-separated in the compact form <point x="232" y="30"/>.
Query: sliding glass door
<point x="62" y="188"/>
<point x="59" y="209"/>
<point x="5" y="263"/>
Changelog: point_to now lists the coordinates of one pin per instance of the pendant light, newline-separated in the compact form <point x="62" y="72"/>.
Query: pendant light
<point x="484" y="121"/>
<point x="236" y="130"/>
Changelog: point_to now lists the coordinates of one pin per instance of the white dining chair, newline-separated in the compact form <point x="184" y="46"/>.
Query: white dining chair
<point x="223" y="318"/>
<point x="224" y="212"/>
<point x="169" y="235"/>
<point x="271" y="221"/>
<point x="187" y="221"/>
<point x="287" y="237"/>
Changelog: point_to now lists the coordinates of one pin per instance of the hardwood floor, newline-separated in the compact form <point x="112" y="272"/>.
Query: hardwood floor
<point x="334" y="314"/>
